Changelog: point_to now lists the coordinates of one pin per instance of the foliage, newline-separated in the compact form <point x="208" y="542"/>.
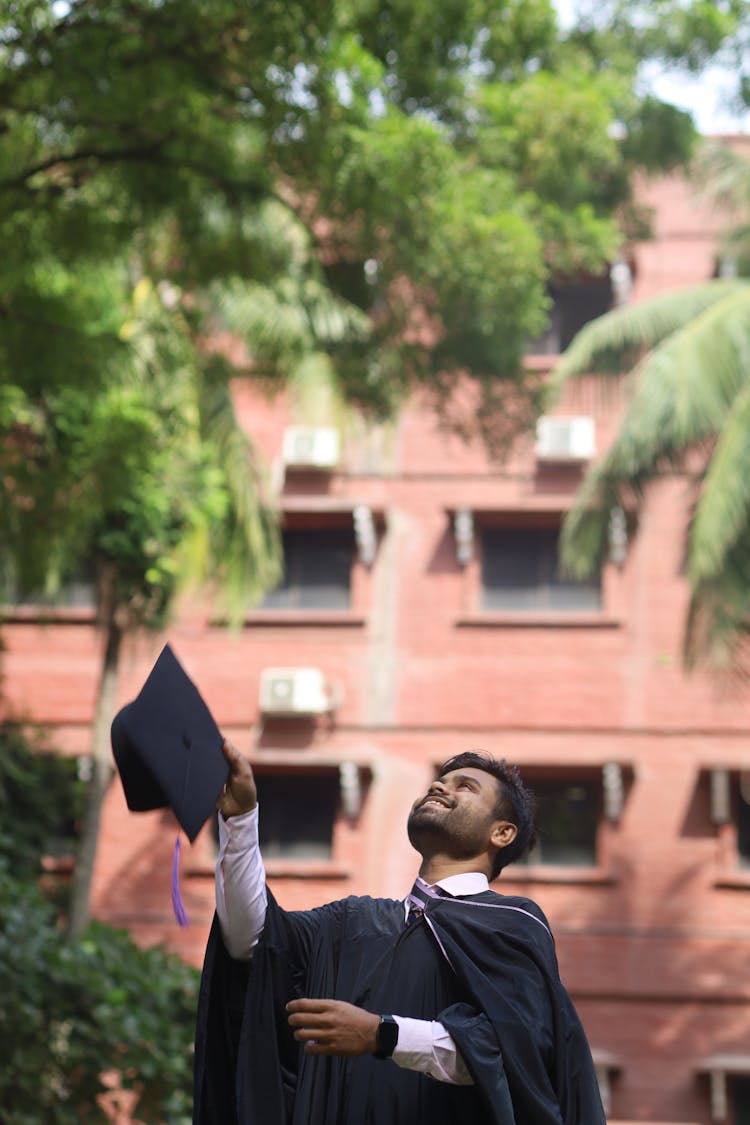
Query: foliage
<point x="689" y="394"/>
<point x="86" y="1007"/>
<point x="29" y="826"/>
<point x="372" y="195"/>
<point x="126" y="479"/>
<point x="722" y="178"/>
<point x="271" y="141"/>
<point x="72" y="1011"/>
<point x="683" y="35"/>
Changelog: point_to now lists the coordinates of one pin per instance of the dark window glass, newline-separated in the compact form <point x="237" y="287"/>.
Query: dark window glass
<point x="743" y="822"/>
<point x="741" y="1100"/>
<point x="574" y="304"/>
<point x="317" y="569"/>
<point x="520" y="571"/>
<point x="567" y="818"/>
<point x="296" y="815"/>
<point x="76" y="592"/>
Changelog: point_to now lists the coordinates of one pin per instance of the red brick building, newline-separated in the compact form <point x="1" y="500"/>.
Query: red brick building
<point x="421" y="616"/>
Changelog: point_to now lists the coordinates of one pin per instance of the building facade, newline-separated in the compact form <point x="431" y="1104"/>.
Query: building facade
<point x="422" y="614"/>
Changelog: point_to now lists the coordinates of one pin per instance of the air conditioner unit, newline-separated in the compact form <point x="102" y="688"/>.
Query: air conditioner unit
<point x="565" y="439"/>
<point x="311" y="447"/>
<point x="294" y="691"/>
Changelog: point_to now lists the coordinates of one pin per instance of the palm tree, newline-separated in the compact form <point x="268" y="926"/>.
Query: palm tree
<point x="173" y="491"/>
<point x="144" y="471"/>
<point x="688" y="357"/>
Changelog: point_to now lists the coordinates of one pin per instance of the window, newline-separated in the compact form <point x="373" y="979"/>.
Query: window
<point x="76" y="592"/>
<point x="608" y="1068"/>
<point x="568" y="814"/>
<point x="298" y="811"/>
<point x="729" y="1087"/>
<point x="743" y="825"/>
<point x="729" y="794"/>
<point x="574" y="303"/>
<point x="317" y="570"/>
<point x="520" y="572"/>
<point x="740" y="1095"/>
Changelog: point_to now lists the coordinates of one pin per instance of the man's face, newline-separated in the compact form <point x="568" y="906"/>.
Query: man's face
<point x="458" y="813"/>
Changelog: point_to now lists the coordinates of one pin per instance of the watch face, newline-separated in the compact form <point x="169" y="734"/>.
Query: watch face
<point x="387" y="1037"/>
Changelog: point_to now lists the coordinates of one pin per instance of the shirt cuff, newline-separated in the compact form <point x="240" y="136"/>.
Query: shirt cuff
<point x="426" y="1046"/>
<point x="238" y="832"/>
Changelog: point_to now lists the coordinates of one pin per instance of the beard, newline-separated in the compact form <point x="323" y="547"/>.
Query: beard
<point x="421" y="826"/>
<point x="434" y="828"/>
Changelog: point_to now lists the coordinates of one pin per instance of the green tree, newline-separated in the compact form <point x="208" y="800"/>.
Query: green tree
<point x="677" y="35"/>
<point x="73" y="1013"/>
<point x="350" y="146"/>
<point x="141" y="479"/>
<point x="689" y="411"/>
<point x="31" y="827"/>
<point x="73" y="1017"/>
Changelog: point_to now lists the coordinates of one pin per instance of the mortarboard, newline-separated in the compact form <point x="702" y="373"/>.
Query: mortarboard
<point x="168" y="750"/>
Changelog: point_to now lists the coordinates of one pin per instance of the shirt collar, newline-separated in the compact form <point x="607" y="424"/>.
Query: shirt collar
<point x="467" y="883"/>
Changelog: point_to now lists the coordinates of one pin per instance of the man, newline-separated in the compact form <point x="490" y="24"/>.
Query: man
<point x="445" y="1008"/>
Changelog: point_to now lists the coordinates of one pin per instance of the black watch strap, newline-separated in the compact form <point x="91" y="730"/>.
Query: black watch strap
<point x="387" y="1038"/>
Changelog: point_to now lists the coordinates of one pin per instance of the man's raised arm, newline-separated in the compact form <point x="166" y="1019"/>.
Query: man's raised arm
<point x="240" y="878"/>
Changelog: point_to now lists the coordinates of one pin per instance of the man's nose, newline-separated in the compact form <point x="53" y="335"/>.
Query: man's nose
<point x="437" y="786"/>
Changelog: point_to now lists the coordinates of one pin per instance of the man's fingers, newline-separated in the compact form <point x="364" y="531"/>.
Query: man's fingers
<point x="309" y="1034"/>
<point x="332" y="1027"/>
<point x="307" y="1005"/>
<point x="232" y="754"/>
<point x="310" y="1019"/>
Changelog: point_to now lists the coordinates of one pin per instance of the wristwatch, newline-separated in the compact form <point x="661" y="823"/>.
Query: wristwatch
<point x="387" y="1038"/>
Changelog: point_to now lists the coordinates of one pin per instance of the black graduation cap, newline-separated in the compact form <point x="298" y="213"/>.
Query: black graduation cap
<point x="168" y="748"/>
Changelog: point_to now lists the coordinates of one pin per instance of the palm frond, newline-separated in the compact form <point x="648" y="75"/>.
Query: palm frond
<point x="716" y="633"/>
<point x="694" y="376"/>
<point x="333" y="321"/>
<point x="723" y="177"/>
<point x="244" y="551"/>
<point x="723" y="512"/>
<point x="281" y="324"/>
<point x="583" y="536"/>
<point x="275" y="329"/>
<point x="684" y="391"/>
<point x="612" y="342"/>
<point x="674" y="406"/>
<point x="314" y="392"/>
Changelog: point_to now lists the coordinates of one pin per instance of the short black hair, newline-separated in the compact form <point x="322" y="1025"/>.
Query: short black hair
<point x="515" y="802"/>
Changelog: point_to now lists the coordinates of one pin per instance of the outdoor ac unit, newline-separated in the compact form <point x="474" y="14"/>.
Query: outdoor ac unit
<point x="311" y="447"/>
<point x="565" y="439"/>
<point x="293" y="691"/>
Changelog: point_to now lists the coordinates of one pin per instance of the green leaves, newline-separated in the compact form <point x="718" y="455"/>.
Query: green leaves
<point x="370" y="195"/>
<point x="612" y="342"/>
<point x="689" y="393"/>
<point x="84" y="1019"/>
<point x="81" y="1004"/>
<point x="29" y="826"/>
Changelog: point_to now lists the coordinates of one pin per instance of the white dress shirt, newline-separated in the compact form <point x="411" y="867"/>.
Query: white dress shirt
<point x="241" y="902"/>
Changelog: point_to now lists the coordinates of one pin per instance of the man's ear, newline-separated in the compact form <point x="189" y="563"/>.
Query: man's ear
<point x="503" y="833"/>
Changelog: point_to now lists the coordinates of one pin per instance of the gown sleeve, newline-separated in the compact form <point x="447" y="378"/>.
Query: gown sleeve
<point x="242" y="1023"/>
<point x="517" y="1031"/>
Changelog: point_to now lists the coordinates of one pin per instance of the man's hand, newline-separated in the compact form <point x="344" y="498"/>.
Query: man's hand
<point x="333" y="1027"/>
<point x="239" y="795"/>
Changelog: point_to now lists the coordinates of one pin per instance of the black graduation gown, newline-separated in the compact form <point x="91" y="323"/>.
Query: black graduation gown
<point x="484" y="965"/>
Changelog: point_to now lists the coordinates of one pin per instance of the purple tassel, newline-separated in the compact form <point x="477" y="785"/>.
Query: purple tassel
<point x="177" y="904"/>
